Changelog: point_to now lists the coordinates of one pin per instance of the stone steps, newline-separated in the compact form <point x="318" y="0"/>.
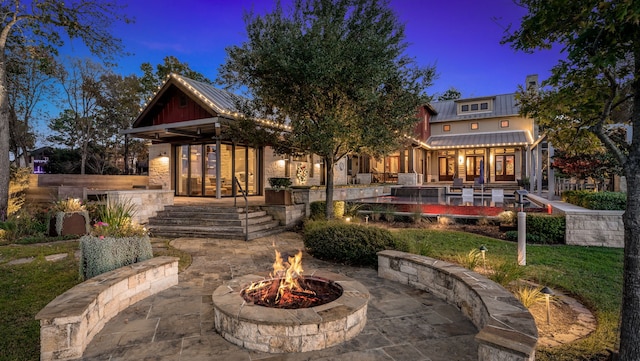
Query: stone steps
<point x="204" y="221"/>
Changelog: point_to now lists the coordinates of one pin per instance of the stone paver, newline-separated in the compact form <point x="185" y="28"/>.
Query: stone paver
<point x="177" y="324"/>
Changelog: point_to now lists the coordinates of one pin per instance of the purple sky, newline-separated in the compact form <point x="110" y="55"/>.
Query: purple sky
<point x="460" y="37"/>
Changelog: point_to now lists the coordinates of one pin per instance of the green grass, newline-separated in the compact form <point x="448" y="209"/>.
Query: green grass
<point x="593" y="275"/>
<point x="25" y="289"/>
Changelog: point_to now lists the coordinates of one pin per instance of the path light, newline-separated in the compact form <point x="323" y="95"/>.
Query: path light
<point x="366" y="219"/>
<point x="546" y="291"/>
<point x="483" y="249"/>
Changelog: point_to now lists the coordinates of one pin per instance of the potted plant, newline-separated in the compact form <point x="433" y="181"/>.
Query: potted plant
<point x="279" y="193"/>
<point x="69" y="217"/>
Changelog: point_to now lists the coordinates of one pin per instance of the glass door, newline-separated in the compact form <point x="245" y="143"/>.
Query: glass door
<point x="446" y="168"/>
<point x="505" y="168"/>
<point x="473" y="167"/>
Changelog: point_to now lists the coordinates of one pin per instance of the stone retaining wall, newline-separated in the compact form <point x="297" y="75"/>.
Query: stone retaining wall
<point x="507" y="329"/>
<point x="147" y="201"/>
<point x="71" y="320"/>
<point x="594" y="228"/>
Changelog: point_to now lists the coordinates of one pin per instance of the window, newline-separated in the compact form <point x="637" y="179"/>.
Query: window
<point x="446" y="128"/>
<point x="183" y="101"/>
<point x="484" y="106"/>
<point x="465" y="108"/>
<point x="504" y="124"/>
<point x="474" y="107"/>
<point x="474" y="126"/>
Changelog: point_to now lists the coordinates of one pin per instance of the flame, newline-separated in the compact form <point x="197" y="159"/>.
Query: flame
<point x="288" y="273"/>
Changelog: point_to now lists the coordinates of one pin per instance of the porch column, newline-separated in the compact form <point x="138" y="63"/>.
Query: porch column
<point x="550" y="173"/>
<point x="403" y="155"/>
<point x="539" y="169"/>
<point x="411" y="165"/>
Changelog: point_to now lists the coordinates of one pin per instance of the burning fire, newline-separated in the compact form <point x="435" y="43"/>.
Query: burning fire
<point x="285" y="285"/>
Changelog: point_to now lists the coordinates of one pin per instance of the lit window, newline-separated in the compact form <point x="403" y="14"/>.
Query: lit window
<point x="504" y="124"/>
<point x="446" y="128"/>
<point x="474" y="126"/>
<point x="484" y="106"/>
<point x="465" y="108"/>
<point x="474" y="106"/>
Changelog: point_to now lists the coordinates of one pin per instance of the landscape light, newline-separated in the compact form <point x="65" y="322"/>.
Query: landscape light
<point x="546" y="291"/>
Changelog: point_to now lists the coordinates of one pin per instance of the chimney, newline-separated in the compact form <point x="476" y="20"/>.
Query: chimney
<point x="532" y="82"/>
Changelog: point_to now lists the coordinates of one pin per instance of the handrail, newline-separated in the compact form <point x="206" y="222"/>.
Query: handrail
<point x="246" y="207"/>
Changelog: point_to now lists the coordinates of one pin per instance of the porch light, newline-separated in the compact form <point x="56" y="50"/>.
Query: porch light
<point x="162" y="154"/>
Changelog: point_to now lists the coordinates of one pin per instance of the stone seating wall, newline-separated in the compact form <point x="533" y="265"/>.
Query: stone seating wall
<point x="507" y="329"/>
<point x="71" y="320"/>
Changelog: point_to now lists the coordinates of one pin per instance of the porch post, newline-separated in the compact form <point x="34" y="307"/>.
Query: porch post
<point x="550" y="173"/>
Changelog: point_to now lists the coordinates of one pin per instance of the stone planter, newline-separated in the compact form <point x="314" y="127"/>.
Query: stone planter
<point x="69" y="223"/>
<point x="281" y="197"/>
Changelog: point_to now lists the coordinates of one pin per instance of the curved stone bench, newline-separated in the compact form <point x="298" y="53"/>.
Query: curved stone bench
<point x="507" y="329"/>
<point x="71" y="320"/>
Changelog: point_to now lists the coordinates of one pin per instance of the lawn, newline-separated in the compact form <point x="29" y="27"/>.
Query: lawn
<point x="593" y="275"/>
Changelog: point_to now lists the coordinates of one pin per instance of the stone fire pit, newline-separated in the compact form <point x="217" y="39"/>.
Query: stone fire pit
<point x="290" y="330"/>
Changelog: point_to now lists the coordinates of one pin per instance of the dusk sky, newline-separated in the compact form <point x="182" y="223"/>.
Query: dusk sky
<point x="460" y="37"/>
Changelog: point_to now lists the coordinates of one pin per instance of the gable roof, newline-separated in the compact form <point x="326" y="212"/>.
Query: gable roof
<point x="503" y="105"/>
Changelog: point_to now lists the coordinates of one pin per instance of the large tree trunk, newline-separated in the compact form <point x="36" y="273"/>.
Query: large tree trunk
<point x="630" y="315"/>
<point x="329" y="191"/>
<point x="4" y="142"/>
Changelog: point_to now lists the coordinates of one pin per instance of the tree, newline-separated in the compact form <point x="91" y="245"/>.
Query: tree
<point x="79" y="124"/>
<point x="334" y="72"/>
<point x="119" y="104"/>
<point x="450" y="94"/>
<point x="151" y="81"/>
<point x="31" y="71"/>
<point x="43" y="23"/>
<point x="598" y="84"/>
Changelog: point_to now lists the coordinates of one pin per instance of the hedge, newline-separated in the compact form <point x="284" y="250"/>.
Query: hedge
<point x="100" y="255"/>
<point x="596" y="200"/>
<point x="346" y="243"/>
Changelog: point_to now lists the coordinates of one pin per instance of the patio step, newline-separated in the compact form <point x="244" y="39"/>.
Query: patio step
<point x="202" y="221"/>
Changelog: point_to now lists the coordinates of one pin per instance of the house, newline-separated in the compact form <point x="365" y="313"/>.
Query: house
<point x="482" y="139"/>
<point x="188" y="151"/>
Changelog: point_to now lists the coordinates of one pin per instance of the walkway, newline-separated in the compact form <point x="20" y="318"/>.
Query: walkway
<point x="177" y="324"/>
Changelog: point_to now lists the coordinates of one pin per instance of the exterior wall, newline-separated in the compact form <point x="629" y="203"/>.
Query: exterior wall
<point x="489" y="125"/>
<point x="178" y="107"/>
<point x="276" y="166"/>
<point x="160" y="165"/>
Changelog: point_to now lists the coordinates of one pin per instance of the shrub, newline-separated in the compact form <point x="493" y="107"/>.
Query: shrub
<point x="279" y="183"/>
<point x="613" y="201"/>
<point x="102" y="255"/>
<point x="346" y="243"/>
<point x="114" y="219"/>
<point x="318" y="209"/>
<point x="596" y="200"/>
<point x="68" y="205"/>
<point x="545" y="229"/>
<point x="18" y="184"/>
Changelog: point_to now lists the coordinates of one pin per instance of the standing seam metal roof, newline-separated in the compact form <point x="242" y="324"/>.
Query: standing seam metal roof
<point x="221" y="101"/>
<point x="503" y="105"/>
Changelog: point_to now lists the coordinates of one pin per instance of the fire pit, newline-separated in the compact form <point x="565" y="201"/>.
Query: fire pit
<point x="315" y="310"/>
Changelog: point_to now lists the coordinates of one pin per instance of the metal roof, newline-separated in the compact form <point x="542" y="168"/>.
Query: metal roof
<point x="503" y="105"/>
<point x="496" y="139"/>
<point x="220" y="101"/>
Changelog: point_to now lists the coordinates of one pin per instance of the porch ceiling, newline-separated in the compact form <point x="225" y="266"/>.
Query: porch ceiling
<point x="497" y="139"/>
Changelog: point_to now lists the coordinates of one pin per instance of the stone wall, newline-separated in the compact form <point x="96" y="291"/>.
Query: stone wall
<point x="594" y="228"/>
<point x="507" y="329"/>
<point x="71" y="320"/>
<point x="147" y="201"/>
<point x="159" y="165"/>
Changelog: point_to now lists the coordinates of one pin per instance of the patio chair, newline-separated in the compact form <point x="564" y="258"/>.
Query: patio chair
<point x="497" y="195"/>
<point x="457" y="184"/>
